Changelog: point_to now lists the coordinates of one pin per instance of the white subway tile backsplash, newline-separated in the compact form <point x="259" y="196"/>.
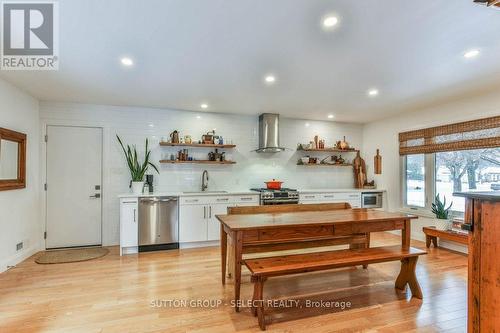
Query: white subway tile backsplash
<point x="251" y="170"/>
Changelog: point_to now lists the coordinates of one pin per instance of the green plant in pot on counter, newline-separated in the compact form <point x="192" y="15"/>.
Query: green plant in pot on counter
<point x="442" y="213"/>
<point x="137" y="169"/>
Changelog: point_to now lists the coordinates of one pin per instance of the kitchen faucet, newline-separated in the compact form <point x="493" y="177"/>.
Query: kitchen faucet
<point x="204" y="180"/>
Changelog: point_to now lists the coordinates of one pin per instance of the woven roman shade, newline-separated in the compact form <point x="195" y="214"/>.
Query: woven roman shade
<point x="475" y="134"/>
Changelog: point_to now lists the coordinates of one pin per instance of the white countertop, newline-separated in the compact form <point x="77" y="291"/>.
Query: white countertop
<point x="242" y="192"/>
<point x="186" y="194"/>
<point x="339" y="190"/>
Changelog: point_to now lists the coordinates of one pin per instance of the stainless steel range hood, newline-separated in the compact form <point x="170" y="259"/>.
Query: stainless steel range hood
<point x="269" y="134"/>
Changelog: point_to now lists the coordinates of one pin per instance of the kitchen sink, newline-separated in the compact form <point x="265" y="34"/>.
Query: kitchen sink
<point x="201" y="192"/>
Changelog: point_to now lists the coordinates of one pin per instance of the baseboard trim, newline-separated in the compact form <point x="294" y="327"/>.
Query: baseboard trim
<point x="191" y="245"/>
<point x="18" y="258"/>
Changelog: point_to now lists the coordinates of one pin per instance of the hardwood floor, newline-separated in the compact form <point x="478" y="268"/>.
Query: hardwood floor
<point x="114" y="294"/>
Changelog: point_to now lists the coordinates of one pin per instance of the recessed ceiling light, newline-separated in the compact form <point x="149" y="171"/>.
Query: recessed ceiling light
<point x="151" y="125"/>
<point x="330" y="116"/>
<point x="126" y="61"/>
<point x="270" y="79"/>
<point x="306" y="124"/>
<point x="330" y="21"/>
<point x="198" y="117"/>
<point x="471" y="53"/>
<point x="373" y="92"/>
<point x="204" y="106"/>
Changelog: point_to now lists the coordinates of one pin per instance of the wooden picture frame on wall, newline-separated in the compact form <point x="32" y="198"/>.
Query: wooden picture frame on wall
<point x="20" y="139"/>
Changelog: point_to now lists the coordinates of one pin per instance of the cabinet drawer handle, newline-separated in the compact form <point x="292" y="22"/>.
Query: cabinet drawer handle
<point x="191" y="200"/>
<point x="308" y="196"/>
<point x="246" y="198"/>
<point x="128" y="202"/>
<point x="353" y="196"/>
<point x="222" y="199"/>
<point x="329" y="196"/>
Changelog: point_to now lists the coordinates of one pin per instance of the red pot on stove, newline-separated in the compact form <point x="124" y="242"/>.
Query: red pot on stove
<point x="274" y="185"/>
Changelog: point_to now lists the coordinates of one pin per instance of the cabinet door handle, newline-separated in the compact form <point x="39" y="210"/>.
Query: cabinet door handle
<point x="134" y="215"/>
<point x="210" y="211"/>
<point x="204" y="212"/>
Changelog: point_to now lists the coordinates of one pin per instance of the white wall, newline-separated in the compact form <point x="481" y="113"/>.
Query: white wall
<point x="251" y="170"/>
<point x="19" y="209"/>
<point x="383" y="134"/>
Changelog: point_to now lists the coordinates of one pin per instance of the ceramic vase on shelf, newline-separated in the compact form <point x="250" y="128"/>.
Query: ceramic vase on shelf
<point x="137" y="187"/>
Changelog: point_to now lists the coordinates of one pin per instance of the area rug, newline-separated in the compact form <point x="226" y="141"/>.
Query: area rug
<point x="72" y="255"/>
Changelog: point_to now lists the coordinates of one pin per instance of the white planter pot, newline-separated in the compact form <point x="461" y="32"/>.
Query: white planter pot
<point x="137" y="187"/>
<point x="442" y="224"/>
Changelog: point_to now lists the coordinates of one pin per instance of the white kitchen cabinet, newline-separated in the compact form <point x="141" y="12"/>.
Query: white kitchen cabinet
<point x="193" y="223"/>
<point x="310" y="198"/>
<point x="213" y="230"/>
<point x="129" y="238"/>
<point x="246" y="200"/>
<point x="352" y="198"/>
<point x="197" y="221"/>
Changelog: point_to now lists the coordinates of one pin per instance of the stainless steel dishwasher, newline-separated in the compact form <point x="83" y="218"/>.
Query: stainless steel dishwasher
<point x="158" y="223"/>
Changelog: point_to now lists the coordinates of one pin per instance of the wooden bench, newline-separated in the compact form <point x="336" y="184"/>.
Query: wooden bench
<point x="432" y="234"/>
<point x="287" y="208"/>
<point x="263" y="268"/>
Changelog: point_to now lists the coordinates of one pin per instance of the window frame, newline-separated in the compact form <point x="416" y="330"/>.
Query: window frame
<point x="429" y="183"/>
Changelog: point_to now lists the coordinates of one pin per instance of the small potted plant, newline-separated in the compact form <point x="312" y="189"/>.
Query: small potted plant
<point x="442" y="213"/>
<point x="137" y="169"/>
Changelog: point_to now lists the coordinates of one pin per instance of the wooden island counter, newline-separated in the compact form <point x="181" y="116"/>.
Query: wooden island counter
<point x="482" y="220"/>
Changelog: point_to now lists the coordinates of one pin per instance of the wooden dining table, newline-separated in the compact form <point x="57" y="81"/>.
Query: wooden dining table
<point x="250" y="230"/>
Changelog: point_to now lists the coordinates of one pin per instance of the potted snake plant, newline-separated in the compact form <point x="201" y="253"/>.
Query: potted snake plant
<point x="137" y="169"/>
<point x="442" y="213"/>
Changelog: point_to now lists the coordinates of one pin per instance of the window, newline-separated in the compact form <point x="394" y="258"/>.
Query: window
<point x="454" y="171"/>
<point x="415" y="180"/>
<point x="466" y="170"/>
<point x="450" y="158"/>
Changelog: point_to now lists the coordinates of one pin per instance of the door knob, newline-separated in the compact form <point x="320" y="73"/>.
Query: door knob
<point x="95" y="196"/>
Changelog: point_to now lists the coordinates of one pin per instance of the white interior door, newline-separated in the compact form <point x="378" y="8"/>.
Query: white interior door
<point x="74" y="169"/>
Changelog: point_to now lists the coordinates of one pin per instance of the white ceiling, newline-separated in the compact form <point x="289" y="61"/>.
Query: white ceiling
<point x="187" y="52"/>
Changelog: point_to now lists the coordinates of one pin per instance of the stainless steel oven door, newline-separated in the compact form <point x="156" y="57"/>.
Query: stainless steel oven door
<point x="371" y="200"/>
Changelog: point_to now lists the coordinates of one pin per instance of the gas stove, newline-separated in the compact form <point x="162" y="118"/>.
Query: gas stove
<point x="277" y="197"/>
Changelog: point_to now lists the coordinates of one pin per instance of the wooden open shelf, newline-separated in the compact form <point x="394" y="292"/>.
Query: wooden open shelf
<point x="195" y="145"/>
<point x="329" y="165"/>
<point x="197" y="162"/>
<point x="331" y="150"/>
